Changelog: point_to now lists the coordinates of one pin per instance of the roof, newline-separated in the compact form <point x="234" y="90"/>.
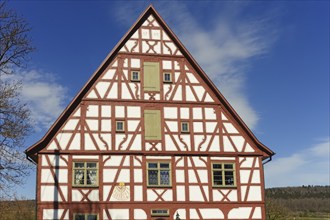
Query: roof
<point x="32" y="151"/>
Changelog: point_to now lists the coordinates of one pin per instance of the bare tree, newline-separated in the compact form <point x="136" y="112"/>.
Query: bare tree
<point x="15" y="46"/>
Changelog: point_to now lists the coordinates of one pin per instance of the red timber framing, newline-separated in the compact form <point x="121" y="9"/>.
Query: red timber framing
<point x="88" y="132"/>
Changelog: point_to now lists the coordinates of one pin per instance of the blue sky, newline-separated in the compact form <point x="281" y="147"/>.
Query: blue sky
<point x="269" y="59"/>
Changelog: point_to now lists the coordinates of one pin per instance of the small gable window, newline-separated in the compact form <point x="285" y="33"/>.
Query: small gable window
<point x="223" y="174"/>
<point x="85" y="216"/>
<point x="184" y="127"/>
<point x="159" y="174"/>
<point x="85" y="174"/>
<point x="167" y="77"/>
<point x="135" y="76"/>
<point x="120" y="126"/>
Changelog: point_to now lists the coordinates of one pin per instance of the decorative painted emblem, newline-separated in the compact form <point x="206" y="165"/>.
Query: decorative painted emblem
<point x="121" y="192"/>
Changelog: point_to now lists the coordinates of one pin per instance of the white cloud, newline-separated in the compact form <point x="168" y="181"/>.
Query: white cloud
<point x="223" y="47"/>
<point x="45" y="97"/>
<point x="307" y="167"/>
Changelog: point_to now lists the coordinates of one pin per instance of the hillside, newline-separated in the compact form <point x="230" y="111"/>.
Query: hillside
<point x="304" y="201"/>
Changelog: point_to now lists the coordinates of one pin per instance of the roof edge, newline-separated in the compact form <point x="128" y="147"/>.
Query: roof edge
<point x="32" y="150"/>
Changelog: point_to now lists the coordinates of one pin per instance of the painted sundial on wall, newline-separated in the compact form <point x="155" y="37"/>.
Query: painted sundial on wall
<point x="121" y="192"/>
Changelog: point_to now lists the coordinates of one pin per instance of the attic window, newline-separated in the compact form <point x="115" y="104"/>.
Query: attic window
<point x="184" y="127"/>
<point x="167" y="77"/>
<point x="135" y="76"/>
<point x="120" y="126"/>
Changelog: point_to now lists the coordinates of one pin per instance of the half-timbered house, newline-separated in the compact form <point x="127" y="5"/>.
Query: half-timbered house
<point x="149" y="136"/>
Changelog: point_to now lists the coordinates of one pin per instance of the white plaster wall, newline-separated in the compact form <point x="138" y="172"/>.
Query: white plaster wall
<point x="49" y="194"/>
<point x="46" y="175"/>
<point x="254" y="193"/>
<point x="113" y="93"/>
<point x="180" y="193"/>
<point x="54" y="214"/>
<point x="135" y="63"/>
<point x="170" y="112"/>
<point x="70" y="124"/>
<point x="109" y="74"/>
<point x="140" y="214"/>
<point x="138" y="193"/>
<point x="211" y="213"/>
<point x="167" y="64"/>
<point x="239" y="213"/>
<point x="102" y="87"/>
<point x="195" y="194"/>
<point x="117" y="214"/>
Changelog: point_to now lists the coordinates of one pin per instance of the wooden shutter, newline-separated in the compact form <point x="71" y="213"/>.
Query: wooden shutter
<point x="151" y="78"/>
<point x="152" y="128"/>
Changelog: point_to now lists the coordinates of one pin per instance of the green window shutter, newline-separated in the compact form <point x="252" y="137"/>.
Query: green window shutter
<point x="152" y="127"/>
<point x="151" y="78"/>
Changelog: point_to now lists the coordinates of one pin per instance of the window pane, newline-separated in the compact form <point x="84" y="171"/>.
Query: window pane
<point x="229" y="166"/>
<point x="167" y="77"/>
<point x="217" y="178"/>
<point x="135" y="75"/>
<point x="229" y="178"/>
<point x="164" y="165"/>
<point x="79" y="165"/>
<point x="91" y="177"/>
<point x="92" y="217"/>
<point x="164" y="177"/>
<point x="153" y="177"/>
<point x="79" y="177"/>
<point x="91" y="165"/>
<point x="184" y="126"/>
<point x="216" y="166"/>
<point x="79" y="217"/>
<point x="152" y="165"/>
<point x="120" y="126"/>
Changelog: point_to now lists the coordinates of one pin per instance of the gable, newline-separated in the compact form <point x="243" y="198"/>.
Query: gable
<point x="151" y="39"/>
<point x="88" y="122"/>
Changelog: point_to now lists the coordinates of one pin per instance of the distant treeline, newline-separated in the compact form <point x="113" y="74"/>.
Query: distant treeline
<point x="298" y="201"/>
<point x="281" y="203"/>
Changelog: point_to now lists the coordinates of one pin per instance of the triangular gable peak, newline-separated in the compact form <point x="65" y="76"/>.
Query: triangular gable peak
<point x="184" y="83"/>
<point x="88" y="124"/>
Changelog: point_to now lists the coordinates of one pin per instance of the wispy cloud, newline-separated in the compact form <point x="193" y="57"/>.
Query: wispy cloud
<point x="223" y="44"/>
<point x="310" y="166"/>
<point x="224" y="47"/>
<point x="45" y="97"/>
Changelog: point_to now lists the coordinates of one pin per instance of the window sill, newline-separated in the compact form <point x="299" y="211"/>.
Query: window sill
<point x="75" y="186"/>
<point x="225" y="187"/>
<point x="167" y="187"/>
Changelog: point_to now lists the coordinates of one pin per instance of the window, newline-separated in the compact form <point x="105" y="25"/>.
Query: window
<point x="85" y="174"/>
<point x="167" y="77"/>
<point x="152" y="127"/>
<point x="85" y="217"/>
<point x="135" y="76"/>
<point x="151" y="78"/>
<point x="160" y="212"/>
<point x="120" y="126"/>
<point x="223" y="174"/>
<point x="159" y="174"/>
<point x="184" y="127"/>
